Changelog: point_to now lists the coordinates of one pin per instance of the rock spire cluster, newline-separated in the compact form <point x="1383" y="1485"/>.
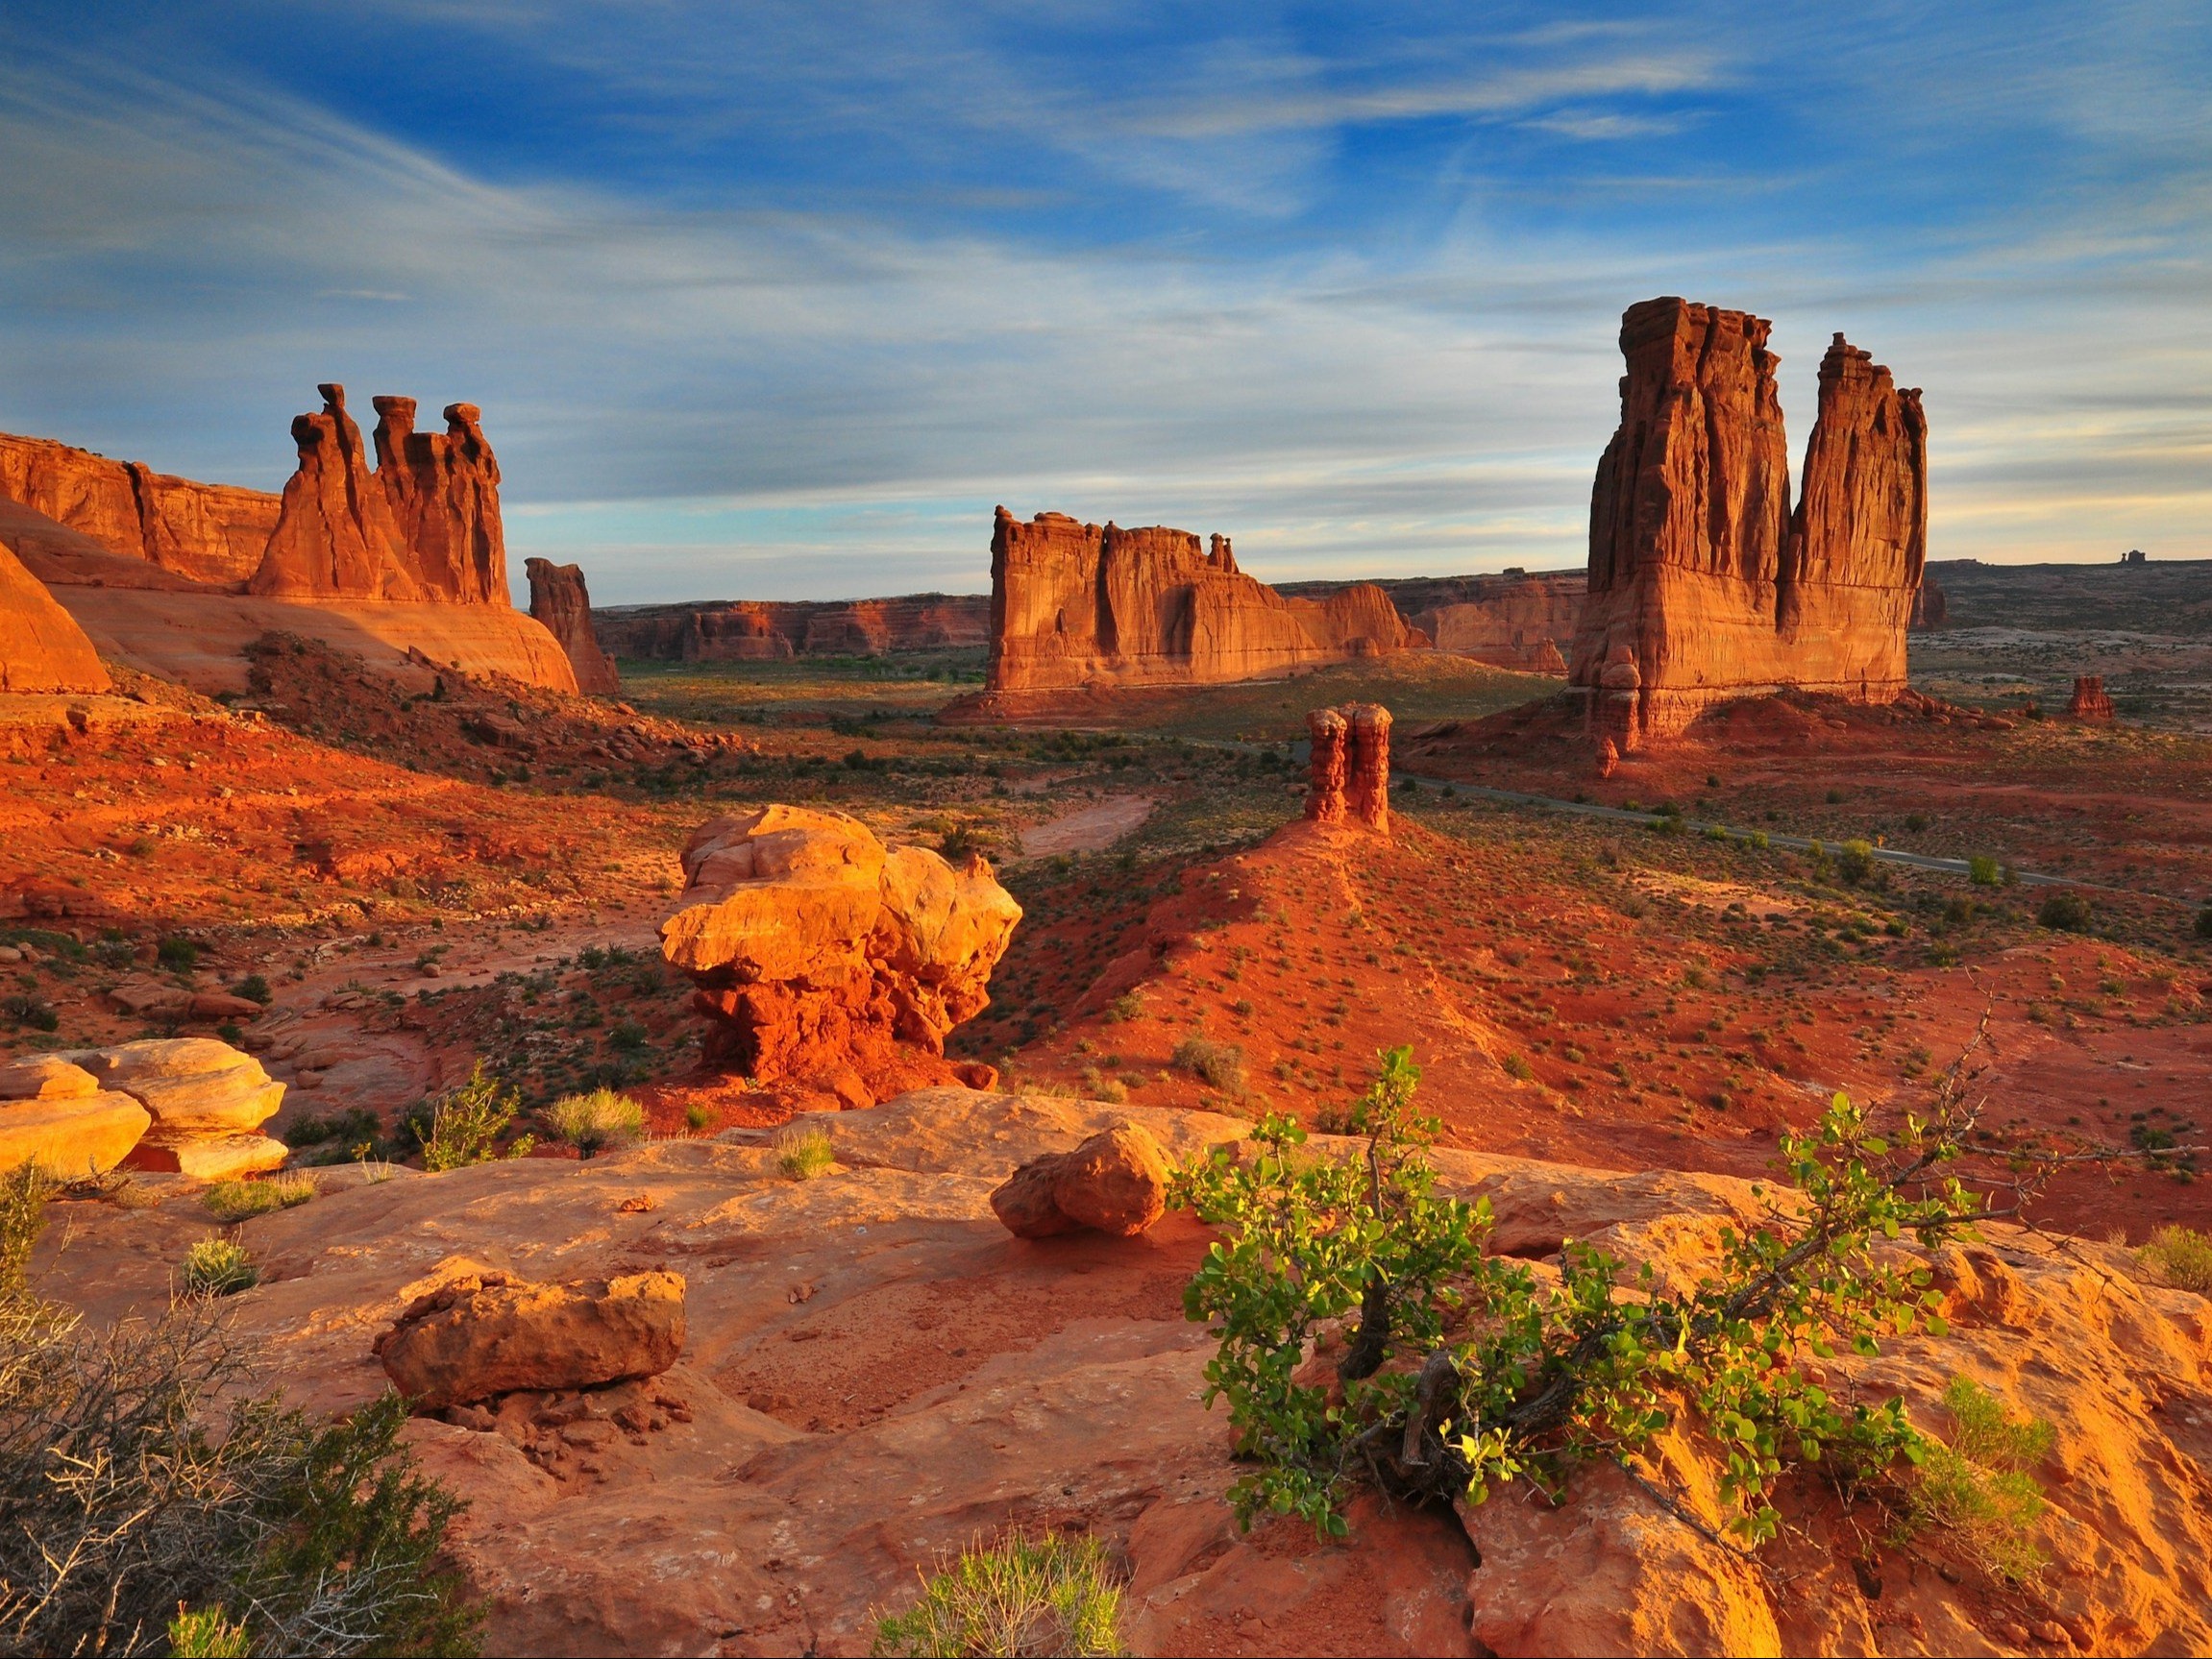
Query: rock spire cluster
<point x="1350" y="779"/>
<point x="1075" y="604"/>
<point x="1704" y="582"/>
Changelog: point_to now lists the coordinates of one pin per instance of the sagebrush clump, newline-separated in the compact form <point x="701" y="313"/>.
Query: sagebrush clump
<point x="1220" y="1065"/>
<point x="1975" y="1492"/>
<point x="595" y="1121"/>
<point x="803" y="1153"/>
<point x="2182" y="1256"/>
<point x="1022" y="1596"/>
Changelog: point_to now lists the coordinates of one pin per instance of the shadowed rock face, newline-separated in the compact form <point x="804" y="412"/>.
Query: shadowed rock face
<point x="560" y="600"/>
<point x="1703" y="584"/>
<point x="41" y="647"/>
<point x="1075" y="604"/>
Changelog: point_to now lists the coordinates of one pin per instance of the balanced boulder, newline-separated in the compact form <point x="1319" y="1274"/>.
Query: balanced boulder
<point x="54" y="1113"/>
<point x="208" y="1101"/>
<point x="1116" y="1181"/>
<point x="491" y="1333"/>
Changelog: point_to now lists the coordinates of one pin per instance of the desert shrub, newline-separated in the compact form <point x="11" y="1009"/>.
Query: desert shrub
<point x="2064" y="913"/>
<point x="254" y="987"/>
<point x="1024" y="1595"/>
<point x="1855" y="861"/>
<point x="350" y="1128"/>
<point x="1129" y="1005"/>
<point x="133" y="1529"/>
<point x="235" y="1201"/>
<point x="628" y="1036"/>
<point x="1817" y="863"/>
<point x="216" y="1267"/>
<point x="23" y="1194"/>
<point x="594" y="1121"/>
<point x="1916" y="822"/>
<point x="177" y="955"/>
<point x="1220" y="1065"/>
<point x="1974" y="1492"/>
<point x="2204" y="922"/>
<point x="465" y="1125"/>
<point x="698" y="1115"/>
<point x="2182" y="1256"/>
<point x="25" y="1007"/>
<point x="1541" y="1377"/>
<point x="1984" y="871"/>
<point x="802" y="1154"/>
<point x="1516" y="1066"/>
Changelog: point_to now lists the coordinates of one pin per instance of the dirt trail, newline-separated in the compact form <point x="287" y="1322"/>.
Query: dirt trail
<point x="1088" y="828"/>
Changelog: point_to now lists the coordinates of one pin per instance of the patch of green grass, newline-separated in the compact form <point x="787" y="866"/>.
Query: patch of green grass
<point x="804" y="1154"/>
<point x="217" y="1267"/>
<point x="1976" y="1493"/>
<point x="595" y="1121"/>
<point x="235" y="1201"/>
<point x="1022" y="1596"/>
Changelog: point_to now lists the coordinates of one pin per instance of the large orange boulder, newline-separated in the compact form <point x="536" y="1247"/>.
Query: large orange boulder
<point x="562" y="602"/>
<point x="336" y="535"/>
<point x="206" y="1098"/>
<point x="813" y="945"/>
<point x="1075" y="604"/>
<point x="54" y="1113"/>
<point x="490" y="1333"/>
<point x="41" y="647"/>
<point x="1702" y="583"/>
<point x="1116" y="1181"/>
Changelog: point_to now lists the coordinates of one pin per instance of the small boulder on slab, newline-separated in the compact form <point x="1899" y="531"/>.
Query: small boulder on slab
<point x="1116" y="1181"/>
<point x="491" y="1333"/>
<point x="54" y="1113"/>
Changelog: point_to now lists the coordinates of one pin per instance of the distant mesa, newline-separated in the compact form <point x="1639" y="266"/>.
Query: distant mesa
<point x="2134" y="557"/>
<point x="1704" y="584"/>
<point x="1077" y="605"/>
<point x="770" y="630"/>
<point x="1517" y="619"/>
<point x="560" y="600"/>
<point x="177" y="579"/>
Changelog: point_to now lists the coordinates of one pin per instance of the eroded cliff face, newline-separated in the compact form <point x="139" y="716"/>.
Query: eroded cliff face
<point x="337" y="536"/>
<point x="562" y="602"/>
<point x="1511" y="621"/>
<point x="208" y="532"/>
<point x="1703" y="584"/>
<point x="770" y="630"/>
<point x="1075" y="604"/>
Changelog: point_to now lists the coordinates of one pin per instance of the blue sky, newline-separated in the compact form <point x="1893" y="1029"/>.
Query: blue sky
<point x="779" y="301"/>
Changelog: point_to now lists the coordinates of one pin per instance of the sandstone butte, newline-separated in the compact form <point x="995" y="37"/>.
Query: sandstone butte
<point x="767" y="630"/>
<point x="819" y="953"/>
<point x="175" y="579"/>
<point x="560" y="600"/>
<point x="1704" y="584"/>
<point x="1074" y="605"/>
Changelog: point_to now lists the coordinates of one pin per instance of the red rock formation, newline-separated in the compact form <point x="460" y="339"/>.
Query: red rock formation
<point x="1931" y="610"/>
<point x="208" y="532"/>
<point x="1701" y="583"/>
<point x="445" y="494"/>
<point x="1511" y="621"/>
<point x="817" y="952"/>
<point x="1350" y="775"/>
<point x="336" y="537"/>
<point x="1114" y="1182"/>
<point x="560" y="600"/>
<point x="1076" y="605"/>
<point x="41" y="647"/>
<point x="2090" y="701"/>
<point x="766" y="630"/>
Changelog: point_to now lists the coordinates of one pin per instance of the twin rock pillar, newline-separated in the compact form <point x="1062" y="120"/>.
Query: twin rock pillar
<point x="1351" y="767"/>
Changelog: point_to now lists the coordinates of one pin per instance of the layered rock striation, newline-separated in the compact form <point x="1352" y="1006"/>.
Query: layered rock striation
<point x="767" y="630"/>
<point x="817" y="952"/>
<point x="1074" y="605"/>
<point x="560" y="600"/>
<point x="1704" y="584"/>
<point x="205" y="532"/>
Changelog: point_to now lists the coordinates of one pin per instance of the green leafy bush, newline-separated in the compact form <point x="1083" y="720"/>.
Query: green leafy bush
<point x="465" y="1125"/>
<point x="1024" y="1595"/>
<point x="1533" y="1380"/>
<point x="595" y="1121"/>
<point x="1975" y="1492"/>
<point x="803" y="1153"/>
<point x="2064" y="913"/>
<point x="177" y="955"/>
<point x="1220" y="1065"/>
<point x="237" y="1201"/>
<point x="254" y="987"/>
<point x="217" y="1267"/>
<point x="2182" y="1256"/>
<point x="1984" y="871"/>
<point x="1855" y="861"/>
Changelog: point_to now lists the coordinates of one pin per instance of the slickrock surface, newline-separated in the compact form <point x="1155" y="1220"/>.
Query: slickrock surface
<point x="1116" y="1181"/>
<point x="2091" y="702"/>
<point x="1350" y="769"/>
<point x="764" y="630"/>
<point x="41" y="647"/>
<point x="1703" y="584"/>
<point x="205" y="532"/>
<point x="560" y="600"/>
<point x="488" y="1334"/>
<point x="875" y="1374"/>
<point x="1075" y="604"/>
<point x="816" y="950"/>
